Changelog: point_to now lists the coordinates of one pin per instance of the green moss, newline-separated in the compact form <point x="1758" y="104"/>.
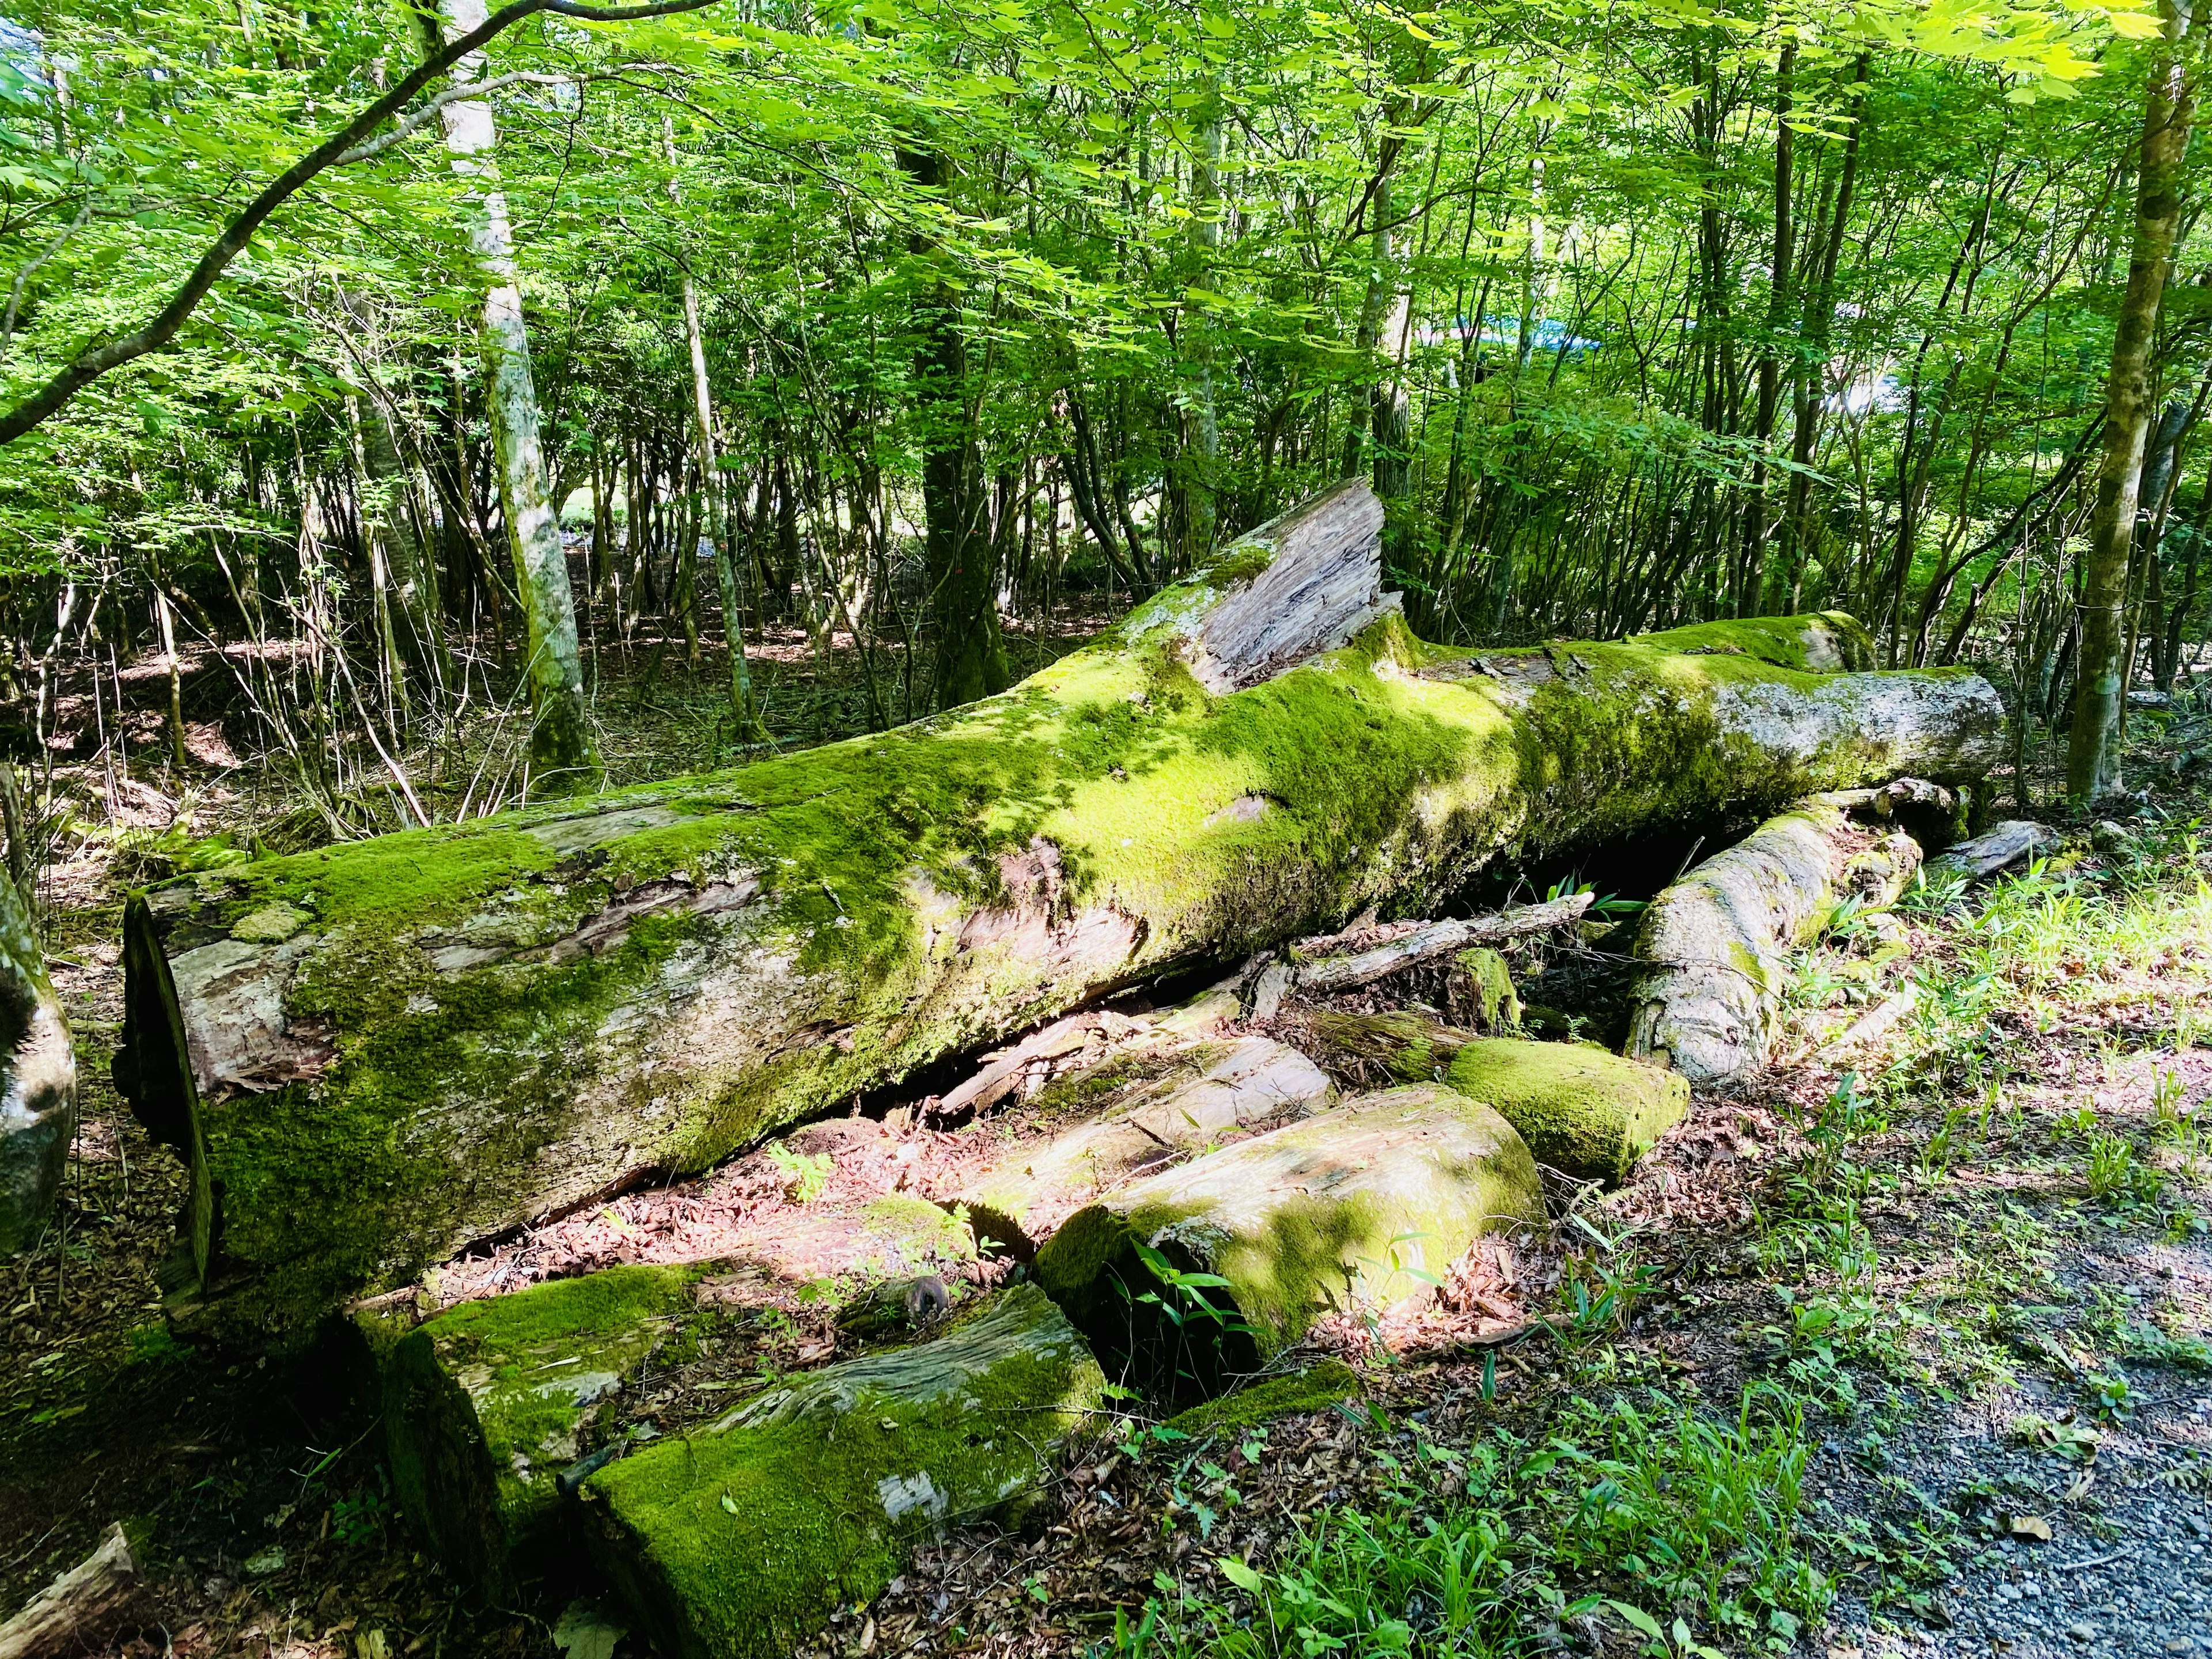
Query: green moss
<point x="1325" y="1214"/>
<point x="1485" y="985"/>
<point x="487" y="1403"/>
<point x="1582" y="1111"/>
<point x="738" y="1542"/>
<point x="922" y="1230"/>
<point x="1313" y="1389"/>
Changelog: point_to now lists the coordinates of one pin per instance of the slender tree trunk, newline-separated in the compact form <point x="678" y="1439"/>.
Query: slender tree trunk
<point x="561" y="753"/>
<point x="2092" y="760"/>
<point x="1751" y="592"/>
<point x="971" y="659"/>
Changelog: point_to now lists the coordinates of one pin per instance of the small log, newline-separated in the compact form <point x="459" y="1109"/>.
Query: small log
<point x="1366" y="1206"/>
<point x="486" y="1405"/>
<point x="1587" y="1113"/>
<point x="1480" y="993"/>
<point x="1251" y="1080"/>
<point x="738" y="1542"/>
<point x="38" y="1081"/>
<point x="84" y="1608"/>
<point x="1716" y="944"/>
<point x="2014" y="841"/>
<point x="376" y="1055"/>
<point x="1438" y="939"/>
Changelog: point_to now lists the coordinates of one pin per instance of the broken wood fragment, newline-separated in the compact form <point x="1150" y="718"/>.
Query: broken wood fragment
<point x="2004" y="845"/>
<point x="1435" y="940"/>
<point x="740" y="1540"/>
<point x="84" y="1608"/>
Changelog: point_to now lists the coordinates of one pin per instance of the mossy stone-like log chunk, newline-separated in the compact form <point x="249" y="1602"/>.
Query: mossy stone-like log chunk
<point x="377" y="1053"/>
<point x="1716" y="945"/>
<point x="738" y="1542"/>
<point x="1480" y="990"/>
<point x="485" y="1405"/>
<point x="1214" y="1089"/>
<point x="1366" y="1205"/>
<point x="38" y="1081"/>
<point x="1583" y="1110"/>
<point x="1314" y="1389"/>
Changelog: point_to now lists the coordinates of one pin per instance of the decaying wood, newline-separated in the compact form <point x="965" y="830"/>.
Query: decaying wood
<point x="1715" y="947"/>
<point x="83" y="1609"/>
<point x="376" y="1055"/>
<point x="740" y="1541"/>
<point x="38" y="1081"/>
<point x="1219" y="1088"/>
<point x="2014" y="841"/>
<point x="1434" y="939"/>
<point x="1363" y="1206"/>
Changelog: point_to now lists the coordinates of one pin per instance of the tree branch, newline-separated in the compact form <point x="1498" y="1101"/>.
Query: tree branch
<point x="89" y="366"/>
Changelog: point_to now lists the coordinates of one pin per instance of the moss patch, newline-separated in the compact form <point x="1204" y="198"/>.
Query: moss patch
<point x="1582" y="1111"/>
<point x="1315" y="1389"/>
<point x="487" y="1403"/>
<point x="738" y="1542"/>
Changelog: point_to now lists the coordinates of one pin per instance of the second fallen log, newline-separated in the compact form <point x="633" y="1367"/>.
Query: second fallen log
<point x="376" y="1055"/>
<point x="1203" y="1272"/>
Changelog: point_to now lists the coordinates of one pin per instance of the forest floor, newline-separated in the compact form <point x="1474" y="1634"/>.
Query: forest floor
<point x="1903" y="1352"/>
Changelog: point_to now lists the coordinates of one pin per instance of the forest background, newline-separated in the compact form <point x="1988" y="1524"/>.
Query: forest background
<point x="929" y="333"/>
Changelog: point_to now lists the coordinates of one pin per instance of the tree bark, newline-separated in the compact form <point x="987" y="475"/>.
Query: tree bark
<point x="378" y="1053"/>
<point x="1366" y="1206"/>
<point x="2092" y="759"/>
<point x="38" y="1081"/>
<point x="561" y="752"/>
<point x="84" y="1608"/>
<point x="1716" y="945"/>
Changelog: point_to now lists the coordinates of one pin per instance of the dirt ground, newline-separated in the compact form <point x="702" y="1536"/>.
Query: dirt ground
<point x="1974" y="1257"/>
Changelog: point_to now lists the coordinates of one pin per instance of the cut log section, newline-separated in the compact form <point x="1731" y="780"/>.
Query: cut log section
<point x="1583" y="1111"/>
<point x="376" y="1055"/>
<point x="85" y="1608"/>
<point x="38" y="1081"/>
<point x="1716" y="945"/>
<point x="1365" y="1206"/>
<point x="738" y="1542"/>
<point x="1215" y="1089"/>
<point x="1432" y="940"/>
<point x="487" y="1405"/>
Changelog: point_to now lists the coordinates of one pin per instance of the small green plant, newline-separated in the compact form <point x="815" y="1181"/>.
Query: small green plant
<point x="2117" y="1175"/>
<point x="805" y="1175"/>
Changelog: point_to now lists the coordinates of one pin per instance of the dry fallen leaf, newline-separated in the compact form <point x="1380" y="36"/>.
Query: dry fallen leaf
<point x="2031" y="1526"/>
<point x="2083" y="1482"/>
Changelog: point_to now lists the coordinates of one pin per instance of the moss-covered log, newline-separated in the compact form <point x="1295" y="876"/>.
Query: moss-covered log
<point x="38" y="1081"/>
<point x="1214" y="1089"/>
<point x="376" y="1054"/>
<point x="740" y="1541"/>
<point x="1366" y="1205"/>
<point x="1716" y="944"/>
<point x="488" y="1404"/>
<point x="1585" y="1112"/>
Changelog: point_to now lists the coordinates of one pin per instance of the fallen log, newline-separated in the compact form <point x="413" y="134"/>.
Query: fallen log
<point x="84" y="1608"/>
<point x="488" y="1404"/>
<point x="1215" y="1089"/>
<point x="378" y="1053"/>
<point x="38" y="1081"/>
<point x="1583" y="1111"/>
<point x="1189" y="1278"/>
<point x="738" y="1542"/>
<point x="1716" y="945"/>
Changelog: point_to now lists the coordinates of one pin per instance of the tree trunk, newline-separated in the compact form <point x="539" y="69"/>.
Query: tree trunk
<point x="561" y="753"/>
<point x="378" y="1053"/>
<point x="38" y="1081"/>
<point x="971" y="661"/>
<point x="2092" y="759"/>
